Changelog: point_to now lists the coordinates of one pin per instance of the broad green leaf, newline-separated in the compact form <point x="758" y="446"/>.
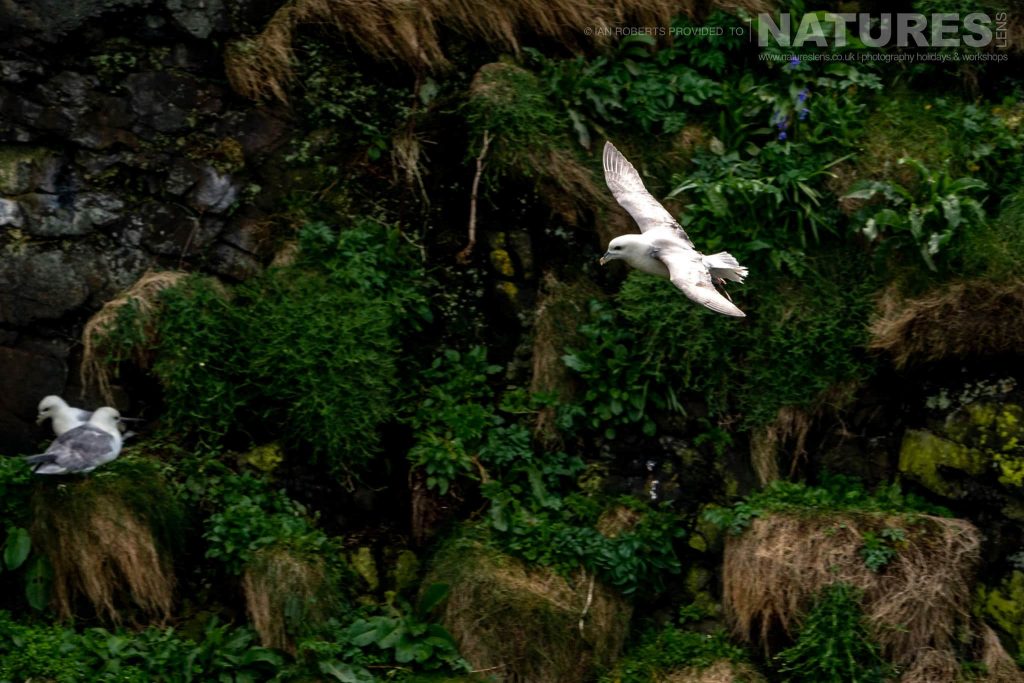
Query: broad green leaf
<point x="17" y="547"/>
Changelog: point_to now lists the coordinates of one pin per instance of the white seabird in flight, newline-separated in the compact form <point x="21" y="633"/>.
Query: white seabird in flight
<point x="82" y="448"/>
<point x="63" y="417"/>
<point x="663" y="248"/>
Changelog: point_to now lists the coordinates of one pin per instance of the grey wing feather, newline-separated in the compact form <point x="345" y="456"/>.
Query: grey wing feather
<point x="78" y="450"/>
<point x="82" y="415"/>
<point x="629" y="191"/>
<point x="688" y="273"/>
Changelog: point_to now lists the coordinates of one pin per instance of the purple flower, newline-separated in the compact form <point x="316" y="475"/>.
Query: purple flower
<point x="782" y="135"/>
<point x="802" y="95"/>
<point x="794" y="62"/>
<point x="803" y="113"/>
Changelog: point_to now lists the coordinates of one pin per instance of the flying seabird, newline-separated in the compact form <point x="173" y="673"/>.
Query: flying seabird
<point x="82" y="448"/>
<point x="663" y="248"/>
<point x="62" y="416"/>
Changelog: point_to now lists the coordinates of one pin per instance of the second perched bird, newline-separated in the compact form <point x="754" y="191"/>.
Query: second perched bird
<point x="83" y="448"/>
<point x="663" y="248"/>
<point x="62" y="416"/>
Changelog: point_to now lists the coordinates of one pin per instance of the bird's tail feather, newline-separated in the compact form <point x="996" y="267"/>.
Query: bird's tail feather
<point x="724" y="265"/>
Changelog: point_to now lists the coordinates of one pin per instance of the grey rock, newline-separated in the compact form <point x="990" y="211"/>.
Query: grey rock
<point x="24" y="169"/>
<point x="215" y="191"/>
<point x="11" y="215"/>
<point x="18" y="71"/>
<point x="233" y="263"/>
<point x="162" y="100"/>
<point x="45" y="285"/>
<point x="49" y="20"/>
<point x="199" y="17"/>
<point x="171" y="230"/>
<point x="25" y="377"/>
<point x="69" y="214"/>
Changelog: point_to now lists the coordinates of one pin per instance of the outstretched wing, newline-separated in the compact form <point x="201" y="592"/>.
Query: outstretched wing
<point x="629" y="191"/>
<point x="687" y="271"/>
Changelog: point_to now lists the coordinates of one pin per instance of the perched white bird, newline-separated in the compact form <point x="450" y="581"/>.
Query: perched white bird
<point x="62" y="416"/>
<point x="82" y="448"/>
<point x="663" y="248"/>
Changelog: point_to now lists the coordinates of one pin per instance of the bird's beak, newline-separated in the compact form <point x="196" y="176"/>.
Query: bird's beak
<point x="604" y="259"/>
<point x="40" y="418"/>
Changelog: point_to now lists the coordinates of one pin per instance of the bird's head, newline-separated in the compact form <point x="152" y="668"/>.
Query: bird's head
<point x="106" y="417"/>
<point x="623" y="247"/>
<point x="48" y="407"/>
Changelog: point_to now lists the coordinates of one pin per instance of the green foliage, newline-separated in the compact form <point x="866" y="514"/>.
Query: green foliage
<point x="308" y="351"/>
<point x="408" y="637"/>
<point x="63" y="655"/>
<point x="252" y="516"/>
<point x="635" y="86"/>
<point x="837" y="493"/>
<point x="996" y="248"/>
<point x="926" y="215"/>
<point x="655" y="348"/>
<point x="342" y="107"/>
<point x="453" y="415"/>
<point x="660" y="651"/>
<point x="507" y="103"/>
<point x="881" y="548"/>
<point x="735" y="195"/>
<point x="833" y="645"/>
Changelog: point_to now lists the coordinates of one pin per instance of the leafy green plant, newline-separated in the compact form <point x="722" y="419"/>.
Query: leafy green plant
<point x="661" y="651"/>
<point x="306" y="352"/>
<point x="836" y="493"/>
<point x="253" y="516"/>
<point x="881" y="548"/>
<point x="453" y="415"/>
<point x="833" y="644"/>
<point x="927" y="215"/>
<point x="57" y="653"/>
<point x="620" y="384"/>
<point x="409" y="637"/>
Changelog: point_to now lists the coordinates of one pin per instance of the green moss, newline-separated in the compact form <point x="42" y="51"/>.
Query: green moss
<point x="905" y="126"/>
<point x="18" y="167"/>
<point x="365" y="565"/>
<point x="1003" y="606"/>
<point x="923" y="456"/>
<point x="265" y="458"/>
<point x="404" y="570"/>
<point x="996" y="247"/>
<point x="996" y="431"/>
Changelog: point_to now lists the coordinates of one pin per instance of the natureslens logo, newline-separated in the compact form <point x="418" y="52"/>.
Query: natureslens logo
<point x="902" y="29"/>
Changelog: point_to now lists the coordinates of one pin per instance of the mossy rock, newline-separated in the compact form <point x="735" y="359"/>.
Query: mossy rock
<point x="925" y="458"/>
<point x="997" y="430"/>
<point x="23" y="169"/>
<point x="1003" y="606"/>
<point x="722" y="671"/>
<point x="527" y="623"/>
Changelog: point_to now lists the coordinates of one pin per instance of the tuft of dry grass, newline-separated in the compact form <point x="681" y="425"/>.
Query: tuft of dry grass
<point x="284" y="591"/>
<point x="104" y="550"/>
<point x="965" y="318"/>
<point x="408" y="31"/>
<point x="525" y="624"/>
<point x="142" y="295"/>
<point x="932" y="666"/>
<point x="719" y="672"/>
<point x="916" y="603"/>
<point x="999" y="665"/>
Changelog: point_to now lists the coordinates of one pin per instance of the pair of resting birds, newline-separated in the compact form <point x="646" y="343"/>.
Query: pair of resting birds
<point x="85" y="440"/>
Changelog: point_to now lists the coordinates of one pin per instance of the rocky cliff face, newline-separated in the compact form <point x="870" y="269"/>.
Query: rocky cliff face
<point x="122" y="149"/>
